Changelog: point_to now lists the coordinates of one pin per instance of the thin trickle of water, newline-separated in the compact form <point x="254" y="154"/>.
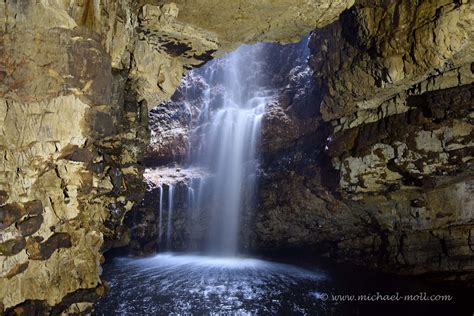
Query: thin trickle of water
<point x="160" y="215"/>
<point x="191" y="197"/>
<point x="169" y="227"/>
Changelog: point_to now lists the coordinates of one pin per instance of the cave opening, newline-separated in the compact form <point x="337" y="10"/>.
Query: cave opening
<point x="205" y="162"/>
<point x="209" y="146"/>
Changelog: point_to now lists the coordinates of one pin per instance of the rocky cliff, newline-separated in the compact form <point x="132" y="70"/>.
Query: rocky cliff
<point x="77" y="80"/>
<point x="387" y="178"/>
<point x="403" y="142"/>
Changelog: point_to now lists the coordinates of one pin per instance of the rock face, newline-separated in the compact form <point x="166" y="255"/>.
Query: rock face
<point x="383" y="51"/>
<point x="170" y="122"/>
<point x="392" y="185"/>
<point x="71" y="137"/>
<point x="77" y="80"/>
<point x="403" y="144"/>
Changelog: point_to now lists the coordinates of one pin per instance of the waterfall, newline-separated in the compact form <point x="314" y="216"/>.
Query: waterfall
<point x="160" y="216"/>
<point x="222" y="155"/>
<point x="169" y="227"/>
<point x="227" y="136"/>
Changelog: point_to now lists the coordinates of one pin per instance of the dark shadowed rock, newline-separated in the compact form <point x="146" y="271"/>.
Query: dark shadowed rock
<point x="12" y="246"/>
<point x="27" y="308"/>
<point x="34" y="207"/>
<point x="10" y="213"/>
<point x="30" y="225"/>
<point x="43" y="250"/>
<point x="3" y="197"/>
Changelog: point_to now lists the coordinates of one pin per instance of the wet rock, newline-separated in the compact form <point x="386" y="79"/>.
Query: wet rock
<point x="10" y="213"/>
<point x="169" y="124"/>
<point x="12" y="246"/>
<point x="30" y="225"/>
<point x="117" y="211"/>
<point x="38" y="250"/>
<point x="116" y="178"/>
<point x="97" y="167"/>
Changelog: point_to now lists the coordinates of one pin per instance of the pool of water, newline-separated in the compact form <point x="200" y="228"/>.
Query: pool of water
<point x="183" y="284"/>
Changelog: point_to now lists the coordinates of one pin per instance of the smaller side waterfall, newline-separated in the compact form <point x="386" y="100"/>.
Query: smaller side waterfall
<point x="160" y="216"/>
<point x="169" y="227"/>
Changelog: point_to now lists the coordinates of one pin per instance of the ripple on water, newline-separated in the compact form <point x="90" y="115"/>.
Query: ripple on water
<point x="180" y="284"/>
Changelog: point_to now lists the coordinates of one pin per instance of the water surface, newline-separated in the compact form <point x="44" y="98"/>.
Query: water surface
<point x="183" y="284"/>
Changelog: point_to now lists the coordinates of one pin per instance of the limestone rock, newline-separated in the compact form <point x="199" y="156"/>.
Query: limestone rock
<point x="19" y="268"/>
<point x="77" y="79"/>
<point x="30" y="225"/>
<point x="397" y="148"/>
<point x="378" y="50"/>
<point x="249" y="21"/>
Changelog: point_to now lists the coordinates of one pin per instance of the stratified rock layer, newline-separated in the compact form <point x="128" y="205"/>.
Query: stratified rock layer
<point x="77" y="80"/>
<point x="387" y="180"/>
<point x="382" y="50"/>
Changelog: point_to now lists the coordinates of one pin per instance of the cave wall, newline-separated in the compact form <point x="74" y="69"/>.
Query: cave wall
<point x="77" y="80"/>
<point x="71" y="137"/>
<point x="387" y="180"/>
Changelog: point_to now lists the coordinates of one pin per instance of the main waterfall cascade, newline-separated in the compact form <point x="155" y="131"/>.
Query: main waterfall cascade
<point x="223" y="141"/>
